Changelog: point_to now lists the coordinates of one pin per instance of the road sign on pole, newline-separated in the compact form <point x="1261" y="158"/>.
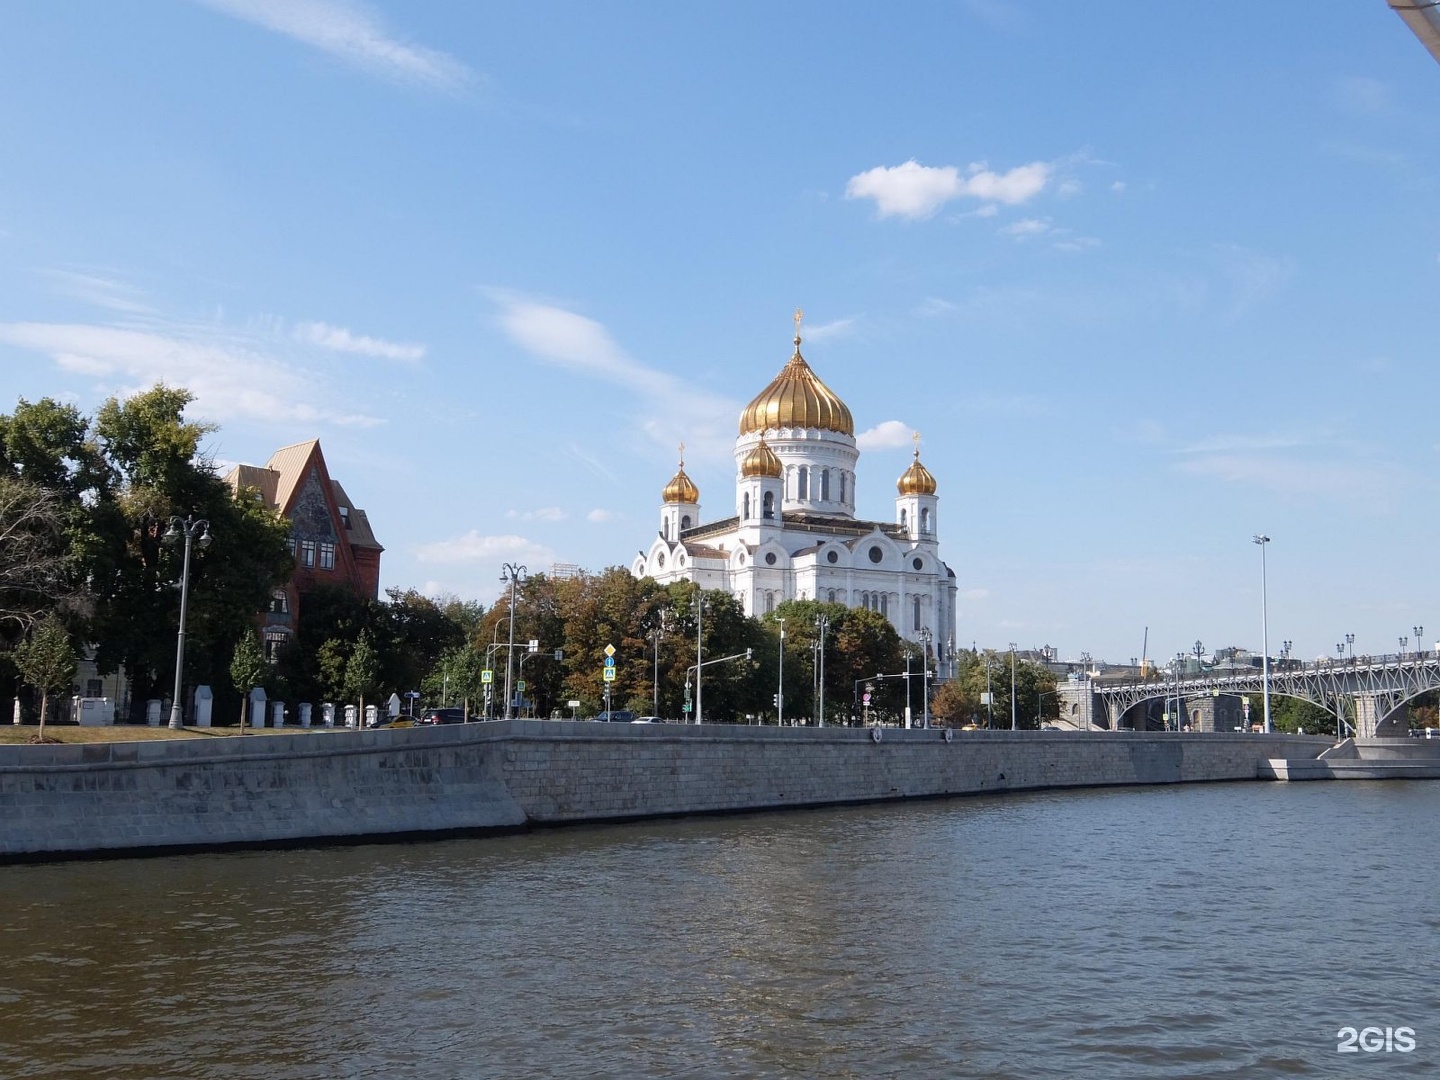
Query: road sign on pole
<point x="609" y="674"/>
<point x="487" y="676"/>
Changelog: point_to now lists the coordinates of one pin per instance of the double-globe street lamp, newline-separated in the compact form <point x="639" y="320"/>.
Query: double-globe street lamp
<point x="512" y="573"/>
<point x="192" y="529"/>
<point x="822" y="623"/>
<point x="1262" y="540"/>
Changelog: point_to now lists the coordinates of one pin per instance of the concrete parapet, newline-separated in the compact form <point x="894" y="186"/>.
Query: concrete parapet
<point x="334" y="785"/>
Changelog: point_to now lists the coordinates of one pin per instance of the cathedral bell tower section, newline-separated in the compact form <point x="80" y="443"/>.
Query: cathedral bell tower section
<point x="680" y="503"/>
<point x="916" y="505"/>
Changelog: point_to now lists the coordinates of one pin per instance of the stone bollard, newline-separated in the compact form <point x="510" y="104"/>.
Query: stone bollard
<point x="277" y="713"/>
<point x="304" y="714"/>
<point x="152" y="712"/>
<point x="352" y="715"/>
<point x="328" y="712"/>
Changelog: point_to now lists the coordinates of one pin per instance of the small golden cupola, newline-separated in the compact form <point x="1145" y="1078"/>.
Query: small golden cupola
<point x="796" y="398"/>
<point x="680" y="489"/>
<point x="917" y="479"/>
<point x="761" y="462"/>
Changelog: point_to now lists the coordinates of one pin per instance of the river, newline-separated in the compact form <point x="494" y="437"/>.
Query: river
<point x="1223" y="930"/>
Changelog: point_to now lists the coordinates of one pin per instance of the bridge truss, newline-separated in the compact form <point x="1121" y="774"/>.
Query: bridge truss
<point x="1364" y="691"/>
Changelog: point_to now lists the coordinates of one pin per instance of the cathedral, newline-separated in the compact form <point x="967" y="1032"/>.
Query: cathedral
<point x="794" y="534"/>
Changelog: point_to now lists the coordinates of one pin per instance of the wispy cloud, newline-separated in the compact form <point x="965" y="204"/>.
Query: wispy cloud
<point x="885" y="436"/>
<point x="600" y="516"/>
<point x="838" y="328"/>
<point x="1061" y="239"/>
<point x="916" y="191"/>
<point x="671" y="409"/>
<point x="545" y="513"/>
<point x="230" y="372"/>
<point x="99" y="290"/>
<point x="339" y="339"/>
<point x="353" y="33"/>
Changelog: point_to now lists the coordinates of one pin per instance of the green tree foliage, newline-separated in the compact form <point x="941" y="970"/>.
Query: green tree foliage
<point x="417" y="633"/>
<point x="362" y="673"/>
<point x="959" y="702"/>
<point x="33" y="565"/>
<point x="46" y="660"/>
<point x="247" y="669"/>
<point x="155" y="453"/>
<point x="1295" y="714"/>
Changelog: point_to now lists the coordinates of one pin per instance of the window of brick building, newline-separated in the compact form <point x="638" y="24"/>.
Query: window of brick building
<point x="327" y="556"/>
<point x="307" y="552"/>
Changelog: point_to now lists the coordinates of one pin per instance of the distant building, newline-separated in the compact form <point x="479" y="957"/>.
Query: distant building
<point x="330" y="537"/>
<point x="794" y="535"/>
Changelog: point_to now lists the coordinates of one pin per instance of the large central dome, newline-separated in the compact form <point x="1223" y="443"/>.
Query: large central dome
<point x="796" y="398"/>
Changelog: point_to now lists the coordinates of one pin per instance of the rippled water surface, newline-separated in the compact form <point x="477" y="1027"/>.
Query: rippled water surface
<point x="1203" y="931"/>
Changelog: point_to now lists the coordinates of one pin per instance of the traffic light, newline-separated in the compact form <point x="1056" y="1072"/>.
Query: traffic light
<point x="776" y="699"/>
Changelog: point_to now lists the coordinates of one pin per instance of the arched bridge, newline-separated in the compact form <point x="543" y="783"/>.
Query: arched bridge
<point x="1366" y="692"/>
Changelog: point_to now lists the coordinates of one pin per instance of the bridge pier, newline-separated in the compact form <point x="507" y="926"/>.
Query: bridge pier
<point x="1376" y="719"/>
<point x="1080" y="707"/>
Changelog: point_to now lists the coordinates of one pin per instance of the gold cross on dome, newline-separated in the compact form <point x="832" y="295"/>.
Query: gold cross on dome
<point x="682" y="455"/>
<point x="799" y="315"/>
<point x="916" y="437"/>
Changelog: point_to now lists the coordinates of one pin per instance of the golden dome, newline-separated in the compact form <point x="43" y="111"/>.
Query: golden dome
<point x="916" y="480"/>
<point x="680" y="489"/>
<point x="761" y="462"/>
<point x="796" y="398"/>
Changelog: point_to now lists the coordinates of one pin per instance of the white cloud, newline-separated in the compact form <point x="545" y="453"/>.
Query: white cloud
<point x="475" y="547"/>
<point x="670" y="409"/>
<point x="1026" y="227"/>
<point x="826" y="331"/>
<point x="340" y="339"/>
<point x="917" y="191"/>
<point x="885" y="436"/>
<point x="353" y="33"/>
<point x="934" y="305"/>
<point x="230" y="373"/>
<point x="600" y="517"/>
<point x="546" y="513"/>
<point x="1118" y="186"/>
<point x="101" y="291"/>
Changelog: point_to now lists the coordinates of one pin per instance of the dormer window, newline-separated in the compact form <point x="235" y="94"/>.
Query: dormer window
<point x="345" y="516"/>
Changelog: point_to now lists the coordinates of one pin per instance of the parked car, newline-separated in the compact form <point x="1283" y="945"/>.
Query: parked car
<point x="617" y="716"/>
<point x="648" y="720"/>
<point x="442" y="716"/>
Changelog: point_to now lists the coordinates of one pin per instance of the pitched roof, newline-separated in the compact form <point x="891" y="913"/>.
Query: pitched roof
<point x="360" y="533"/>
<point x="253" y="476"/>
<point x="289" y="462"/>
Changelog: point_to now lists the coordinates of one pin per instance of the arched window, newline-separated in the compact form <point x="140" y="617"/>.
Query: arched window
<point x="769" y="602"/>
<point x="885" y="604"/>
<point x="925" y="520"/>
<point x="685" y="522"/>
<point x="746" y="513"/>
<point x="802" y="482"/>
<point x="915" y="614"/>
<point x="825" y="485"/>
<point x="903" y="522"/>
<point x="831" y="596"/>
<point x="842" y="485"/>
<point x="769" y="511"/>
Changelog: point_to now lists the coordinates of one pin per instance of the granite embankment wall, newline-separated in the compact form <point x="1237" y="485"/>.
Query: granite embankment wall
<point x="337" y="785"/>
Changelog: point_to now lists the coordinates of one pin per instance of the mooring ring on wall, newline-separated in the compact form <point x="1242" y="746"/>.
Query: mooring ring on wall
<point x="875" y="734"/>
<point x="949" y="734"/>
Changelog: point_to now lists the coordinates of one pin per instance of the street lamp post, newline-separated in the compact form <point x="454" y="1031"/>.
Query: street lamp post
<point x="780" y="687"/>
<point x="822" y="623"/>
<point x="699" y="660"/>
<point x="656" y="633"/>
<point x="1350" y="644"/>
<point x="925" y="679"/>
<point x="1419" y="633"/>
<point x="511" y="573"/>
<point x="907" y="688"/>
<point x="1014" y="718"/>
<point x="191" y="528"/>
<point x="1262" y="540"/>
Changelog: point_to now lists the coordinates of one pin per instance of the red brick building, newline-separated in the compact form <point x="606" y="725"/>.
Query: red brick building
<point x="330" y="537"/>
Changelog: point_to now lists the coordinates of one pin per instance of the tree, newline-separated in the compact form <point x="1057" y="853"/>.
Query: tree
<point x="46" y="660"/>
<point x="959" y="701"/>
<point x="154" y="452"/>
<point x="32" y="554"/>
<point x="247" y="669"/>
<point x="362" y="673"/>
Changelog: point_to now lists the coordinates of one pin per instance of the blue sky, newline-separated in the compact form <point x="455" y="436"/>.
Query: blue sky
<point x="1147" y="279"/>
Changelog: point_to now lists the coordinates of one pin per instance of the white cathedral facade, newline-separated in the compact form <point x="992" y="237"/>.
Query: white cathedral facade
<point x="794" y="534"/>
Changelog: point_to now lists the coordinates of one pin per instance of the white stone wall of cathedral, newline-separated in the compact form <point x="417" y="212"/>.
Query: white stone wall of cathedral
<point x="816" y="451"/>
